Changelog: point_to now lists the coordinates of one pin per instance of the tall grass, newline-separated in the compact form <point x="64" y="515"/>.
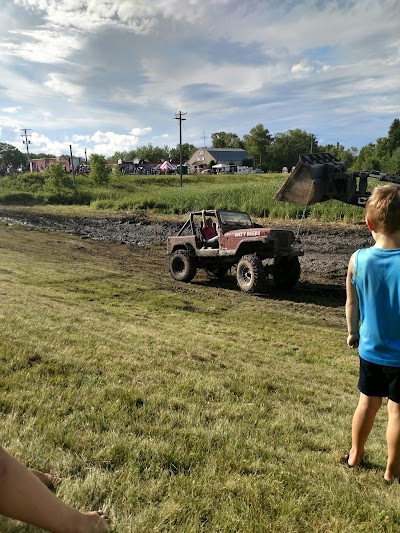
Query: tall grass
<point x="163" y="194"/>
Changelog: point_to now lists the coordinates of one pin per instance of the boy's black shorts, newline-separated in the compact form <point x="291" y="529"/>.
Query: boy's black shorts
<point x="379" y="380"/>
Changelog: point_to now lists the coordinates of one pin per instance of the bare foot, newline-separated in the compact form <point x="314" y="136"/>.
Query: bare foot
<point x="95" y="522"/>
<point x="391" y="477"/>
<point x="50" y="480"/>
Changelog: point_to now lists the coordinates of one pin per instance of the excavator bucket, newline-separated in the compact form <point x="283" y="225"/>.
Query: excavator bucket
<point x="320" y="177"/>
<point x="312" y="180"/>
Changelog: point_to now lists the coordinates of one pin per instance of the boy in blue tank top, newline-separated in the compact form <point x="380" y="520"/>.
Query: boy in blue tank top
<point x="373" y="322"/>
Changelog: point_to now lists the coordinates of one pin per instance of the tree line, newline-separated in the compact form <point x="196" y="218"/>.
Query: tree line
<point x="269" y="152"/>
<point x="273" y="152"/>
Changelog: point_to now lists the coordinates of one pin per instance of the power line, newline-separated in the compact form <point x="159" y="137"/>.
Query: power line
<point x="187" y="133"/>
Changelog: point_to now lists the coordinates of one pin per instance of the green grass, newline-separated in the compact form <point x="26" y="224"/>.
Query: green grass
<point x="179" y="407"/>
<point x="163" y="194"/>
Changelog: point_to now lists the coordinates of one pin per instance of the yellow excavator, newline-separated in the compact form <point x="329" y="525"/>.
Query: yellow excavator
<point x="320" y="177"/>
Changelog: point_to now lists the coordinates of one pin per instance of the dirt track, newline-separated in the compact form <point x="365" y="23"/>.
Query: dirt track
<point x="327" y="247"/>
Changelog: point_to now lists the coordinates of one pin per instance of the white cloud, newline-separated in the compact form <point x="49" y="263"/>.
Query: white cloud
<point x="105" y="143"/>
<point x="15" y="109"/>
<point x="305" y="68"/>
<point x="140" y="131"/>
<point x="80" y="138"/>
<point x="138" y="15"/>
<point x="50" y="46"/>
<point x="109" y="142"/>
<point x="9" y="123"/>
<point x="59" y="84"/>
<point x="83" y="66"/>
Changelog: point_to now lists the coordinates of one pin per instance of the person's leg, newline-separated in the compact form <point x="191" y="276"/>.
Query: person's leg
<point x="393" y="442"/>
<point x="363" y="420"/>
<point x="24" y="497"/>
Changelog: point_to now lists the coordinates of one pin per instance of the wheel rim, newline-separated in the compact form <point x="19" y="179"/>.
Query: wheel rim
<point x="246" y="275"/>
<point x="179" y="265"/>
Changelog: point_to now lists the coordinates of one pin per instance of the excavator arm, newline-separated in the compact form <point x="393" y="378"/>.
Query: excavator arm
<point x="321" y="177"/>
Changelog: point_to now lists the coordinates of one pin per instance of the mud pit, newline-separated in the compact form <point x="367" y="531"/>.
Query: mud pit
<point x="327" y="247"/>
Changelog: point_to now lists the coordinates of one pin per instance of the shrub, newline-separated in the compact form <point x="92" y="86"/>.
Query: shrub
<point x="56" y="180"/>
<point x="99" y="171"/>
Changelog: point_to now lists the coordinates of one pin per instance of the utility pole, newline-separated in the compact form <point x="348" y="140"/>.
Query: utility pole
<point x="179" y="117"/>
<point x="204" y="139"/>
<point x="73" y="169"/>
<point x="27" y="142"/>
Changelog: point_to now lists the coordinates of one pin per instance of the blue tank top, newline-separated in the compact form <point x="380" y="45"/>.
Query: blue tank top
<point x="377" y="282"/>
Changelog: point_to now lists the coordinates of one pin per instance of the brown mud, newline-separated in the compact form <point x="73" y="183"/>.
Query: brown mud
<point x="327" y="249"/>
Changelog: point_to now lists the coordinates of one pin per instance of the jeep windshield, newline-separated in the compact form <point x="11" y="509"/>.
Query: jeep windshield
<point x="236" y="219"/>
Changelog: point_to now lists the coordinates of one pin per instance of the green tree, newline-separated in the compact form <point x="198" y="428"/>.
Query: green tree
<point x="153" y="153"/>
<point x="257" y="143"/>
<point x="56" y="179"/>
<point x="348" y="156"/>
<point x="10" y="155"/>
<point x="393" y="163"/>
<point x="394" y="136"/>
<point x="119" y="155"/>
<point x="222" y="139"/>
<point x="42" y="155"/>
<point x="286" y="148"/>
<point x="187" y="151"/>
<point x="99" y="171"/>
<point x="368" y="159"/>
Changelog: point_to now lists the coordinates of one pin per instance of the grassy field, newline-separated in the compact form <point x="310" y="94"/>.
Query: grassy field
<point x="175" y="407"/>
<point x="162" y="194"/>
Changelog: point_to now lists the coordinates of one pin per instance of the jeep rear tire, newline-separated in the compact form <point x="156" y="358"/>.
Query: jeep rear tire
<point x="250" y="274"/>
<point x="286" y="272"/>
<point x="182" y="265"/>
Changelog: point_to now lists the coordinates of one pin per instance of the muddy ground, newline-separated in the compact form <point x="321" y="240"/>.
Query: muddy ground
<point x="327" y="247"/>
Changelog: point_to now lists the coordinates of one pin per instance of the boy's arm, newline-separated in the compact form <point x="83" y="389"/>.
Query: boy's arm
<point x="352" y="308"/>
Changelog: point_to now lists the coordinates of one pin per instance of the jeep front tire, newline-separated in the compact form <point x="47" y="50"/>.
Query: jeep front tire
<point x="182" y="265"/>
<point x="250" y="274"/>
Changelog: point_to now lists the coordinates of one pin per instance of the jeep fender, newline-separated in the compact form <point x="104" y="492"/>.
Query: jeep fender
<point x="187" y="247"/>
<point x="247" y="246"/>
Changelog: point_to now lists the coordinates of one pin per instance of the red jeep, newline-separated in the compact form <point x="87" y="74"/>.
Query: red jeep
<point x="256" y="252"/>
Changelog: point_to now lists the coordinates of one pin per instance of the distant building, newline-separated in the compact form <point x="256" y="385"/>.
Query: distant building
<point x="137" y="166"/>
<point x="39" y="165"/>
<point x="226" y="156"/>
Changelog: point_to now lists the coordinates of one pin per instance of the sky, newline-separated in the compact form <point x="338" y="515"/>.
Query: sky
<point x="111" y="75"/>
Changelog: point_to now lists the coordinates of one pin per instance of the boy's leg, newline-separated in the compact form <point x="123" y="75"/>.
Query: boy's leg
<point x="24" y="497"/>
<point x="393" y="442"/>
<point x="363" y="420"/>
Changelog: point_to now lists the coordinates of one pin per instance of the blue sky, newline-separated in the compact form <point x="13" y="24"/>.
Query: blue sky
<point x="110" y="75"/>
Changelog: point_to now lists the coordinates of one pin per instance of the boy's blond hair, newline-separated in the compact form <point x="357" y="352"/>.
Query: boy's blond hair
<point x="383" y="208"/>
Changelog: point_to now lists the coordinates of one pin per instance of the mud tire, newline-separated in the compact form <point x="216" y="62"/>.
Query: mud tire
<point x="286" y="272"/>
<point x="250" y="274"/>
<point x="182" y="265"/>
